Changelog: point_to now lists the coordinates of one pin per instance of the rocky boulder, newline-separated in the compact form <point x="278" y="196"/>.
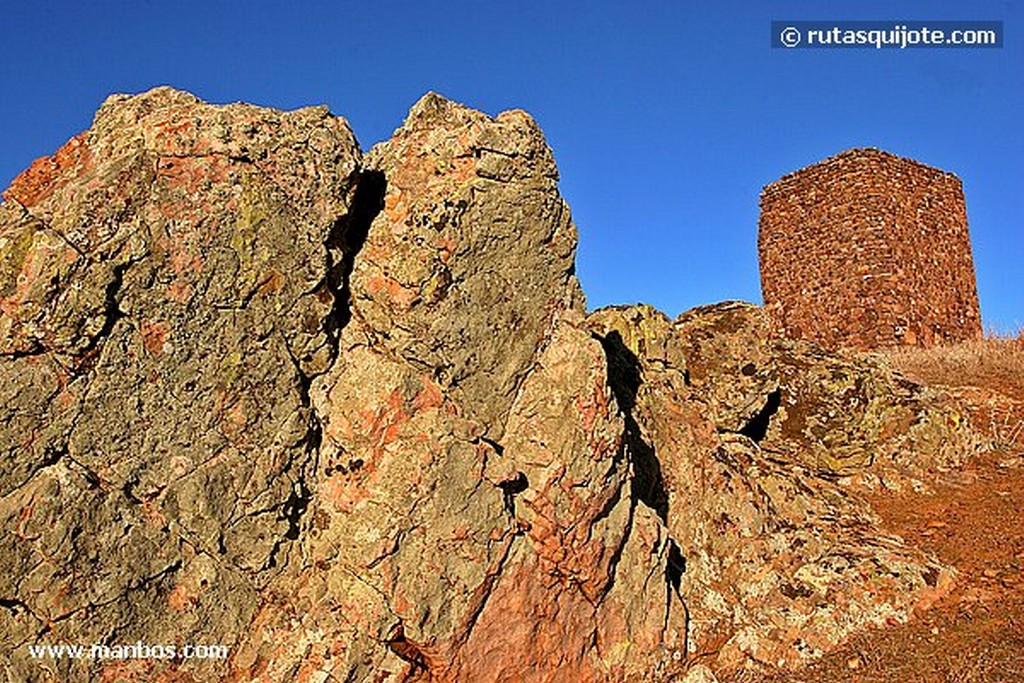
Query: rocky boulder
<point x="777" y="559"/>
<point x="346" y="416"/>
<point x="168" y="294"/>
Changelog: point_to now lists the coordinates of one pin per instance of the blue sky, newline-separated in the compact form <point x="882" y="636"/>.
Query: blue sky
<point x="666" y="118"/>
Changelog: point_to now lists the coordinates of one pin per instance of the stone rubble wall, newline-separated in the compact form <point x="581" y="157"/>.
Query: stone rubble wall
<point x="867" y="249"/>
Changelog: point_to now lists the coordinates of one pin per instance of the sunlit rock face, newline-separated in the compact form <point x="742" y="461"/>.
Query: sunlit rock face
<point x="346" y="416"/>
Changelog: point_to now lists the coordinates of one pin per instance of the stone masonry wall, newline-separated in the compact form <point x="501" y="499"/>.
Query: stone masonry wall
<point x="867" y="249"/>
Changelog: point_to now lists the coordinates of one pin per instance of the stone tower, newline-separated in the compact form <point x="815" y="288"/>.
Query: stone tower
<point x="867" y="249"/>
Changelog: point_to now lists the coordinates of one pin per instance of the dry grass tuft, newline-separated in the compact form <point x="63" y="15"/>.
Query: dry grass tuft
<point x="995" y="363"/>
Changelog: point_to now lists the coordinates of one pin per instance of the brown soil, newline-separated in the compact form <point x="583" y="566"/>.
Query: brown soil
<point x="976" y="634"/>
<point x="972" y="522"/>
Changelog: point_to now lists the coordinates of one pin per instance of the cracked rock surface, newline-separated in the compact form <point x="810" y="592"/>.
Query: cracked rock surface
<point x="166" y="298"/>
<point x="347" y="416"/>
<point x="740" y="441"/>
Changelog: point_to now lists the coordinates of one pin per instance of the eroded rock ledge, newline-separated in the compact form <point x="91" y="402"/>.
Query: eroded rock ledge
<point x="347" y="416"/>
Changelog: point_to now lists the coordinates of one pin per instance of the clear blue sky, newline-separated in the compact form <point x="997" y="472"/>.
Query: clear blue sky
<point x="666" y="118"/>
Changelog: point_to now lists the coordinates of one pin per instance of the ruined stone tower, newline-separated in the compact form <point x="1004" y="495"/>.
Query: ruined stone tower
<point x="867" y="249"/>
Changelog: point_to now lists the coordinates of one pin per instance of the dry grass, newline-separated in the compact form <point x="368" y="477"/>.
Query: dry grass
<point x="992" y="364"/>
<point x="995" y="362"/>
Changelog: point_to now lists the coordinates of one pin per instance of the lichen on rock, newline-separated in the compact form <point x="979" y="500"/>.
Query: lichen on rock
<point x="347" y="416"/>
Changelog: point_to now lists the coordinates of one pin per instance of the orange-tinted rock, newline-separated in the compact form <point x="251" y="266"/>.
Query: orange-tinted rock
<point x="175" y="306"/>
<point x="38" y="180"/>
<point x="346" y="416"/>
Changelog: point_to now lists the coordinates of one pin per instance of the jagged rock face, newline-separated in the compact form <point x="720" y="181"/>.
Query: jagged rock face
<point x="268" y="394"/>
<point x="834" y="413"/>
<point x="167" y="294"/>
<point x="471" y="445"/>
<point x="346" y="416"/>
<point x="777" y="561"/>
<point x="471" y="256"/>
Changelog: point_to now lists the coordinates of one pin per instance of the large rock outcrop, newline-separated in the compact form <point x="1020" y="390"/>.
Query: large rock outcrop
<point x="347" y="417"/>
<point x="169" y="292"/>
<point x="752" y="450"/>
